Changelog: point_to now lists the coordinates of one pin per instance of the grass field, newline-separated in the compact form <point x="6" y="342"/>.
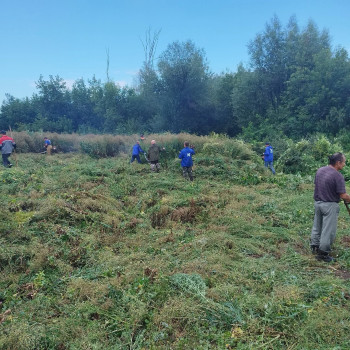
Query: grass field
<point x="103" y="254"/>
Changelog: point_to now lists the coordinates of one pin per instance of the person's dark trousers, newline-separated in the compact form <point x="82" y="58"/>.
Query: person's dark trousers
<point x="137" y="157"/>
<point x="187" y="171"/>
<point x="5" y="160"/>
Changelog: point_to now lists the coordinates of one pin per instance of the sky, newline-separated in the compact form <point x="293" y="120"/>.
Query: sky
<point x="73" y="38"/>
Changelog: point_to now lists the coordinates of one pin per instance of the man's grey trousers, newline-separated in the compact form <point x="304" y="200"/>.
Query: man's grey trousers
<point x="325" y="225"/>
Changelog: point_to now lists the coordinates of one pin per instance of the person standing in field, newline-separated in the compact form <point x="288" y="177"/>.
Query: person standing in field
<point x="136" y="150"/>
<point x="7" y="145"/>
<point x="329" y="190"/>
<point x="268" y="157"/>
<point x="186" y="160"/>
<point x="48" y="146"/>
<point x="153" y="156"/>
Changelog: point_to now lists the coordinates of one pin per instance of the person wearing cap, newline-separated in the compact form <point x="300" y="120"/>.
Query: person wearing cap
<point x="136" y="150"/>
<point x="153" y="156"/>
<point x="268" y="157"/>
<point x="7" y="145"/>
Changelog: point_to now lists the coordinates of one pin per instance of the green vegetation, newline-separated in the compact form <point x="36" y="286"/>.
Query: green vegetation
<point x="97" y="253"/>
<point x="295" y="84"/>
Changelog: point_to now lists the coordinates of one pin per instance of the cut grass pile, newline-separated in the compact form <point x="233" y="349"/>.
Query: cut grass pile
<point x="101" y="254"/>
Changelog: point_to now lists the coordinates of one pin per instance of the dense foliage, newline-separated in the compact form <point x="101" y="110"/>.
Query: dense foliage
<point x="296" y="85"/>
<point x="97" y="253"/>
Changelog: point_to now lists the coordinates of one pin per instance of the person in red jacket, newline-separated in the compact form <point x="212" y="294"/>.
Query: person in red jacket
<point x="7" y="145"/>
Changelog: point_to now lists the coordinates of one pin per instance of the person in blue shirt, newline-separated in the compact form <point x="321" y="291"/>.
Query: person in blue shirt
<point x="136" y="150"/>
<point x="186" y="160"/>
<point x="268" y="157"/>
<point x="48" y="146"/>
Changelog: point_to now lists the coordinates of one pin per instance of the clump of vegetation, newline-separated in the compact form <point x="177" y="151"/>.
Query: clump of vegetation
<point x="306" y="156"/>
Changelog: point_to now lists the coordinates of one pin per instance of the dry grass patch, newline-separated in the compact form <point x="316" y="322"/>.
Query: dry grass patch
<point x="83" y="290"/>
<point x="287" y="293"/>
<point x="179" y="313"/>
<point x="159" y="218"/>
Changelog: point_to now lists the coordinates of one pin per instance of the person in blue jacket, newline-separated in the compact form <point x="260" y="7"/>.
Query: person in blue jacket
<point x="186" y="160"/>
<point x="136" y="150"/>
<point x="48" y="146"/>
<point x="268" y="157"/>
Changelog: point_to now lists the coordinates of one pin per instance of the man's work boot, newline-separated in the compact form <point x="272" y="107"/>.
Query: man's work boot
<point x="314" y="249"/>
<point x="324" y="256"/>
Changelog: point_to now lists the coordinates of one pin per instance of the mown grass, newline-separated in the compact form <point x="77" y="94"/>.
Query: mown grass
<point x="101" y="254"/>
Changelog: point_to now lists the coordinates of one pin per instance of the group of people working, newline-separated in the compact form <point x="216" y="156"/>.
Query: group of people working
<point x="329" y="186"/>
<point x="329" y="191"/>
<point x="8" y="145"/>
<point x="153" y="154"/>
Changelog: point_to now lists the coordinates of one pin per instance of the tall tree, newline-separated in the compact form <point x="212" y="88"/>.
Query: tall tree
<point x="148" y="81"/>
<point x="84" y="116"/>
<point x="53" y="104"/>
<point x="225" y="116"/>
<point x="290" y="92"/>
<point x="319" y="98"/>
<point x="184" y="76"/>
<point x="248" y="99"/>
<point x="16" y="113"/>
<point x="267" y="53"/>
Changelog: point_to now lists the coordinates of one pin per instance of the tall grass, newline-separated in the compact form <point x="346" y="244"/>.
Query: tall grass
<point x="111" y="145"/>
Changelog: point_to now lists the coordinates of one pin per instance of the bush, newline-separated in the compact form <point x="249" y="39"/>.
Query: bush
<point x="306" y="156"/>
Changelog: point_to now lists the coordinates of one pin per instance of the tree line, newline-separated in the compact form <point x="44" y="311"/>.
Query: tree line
<point x="295" y="85"/>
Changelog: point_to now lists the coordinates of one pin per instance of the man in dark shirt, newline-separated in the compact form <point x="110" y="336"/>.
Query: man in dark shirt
<point x="153" y="155"/>
<point x="329" y="190"/>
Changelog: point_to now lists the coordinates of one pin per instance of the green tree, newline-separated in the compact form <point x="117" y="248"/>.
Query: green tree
<point x="84" y="116"/>
<point x="225" y="118"/>
<point x="53" y="105"/>
<point x="149" y="85"/>
<point x="318" y="99"/>
<point x="184" y="78"/>
<point x="267" y="52"/>
<point x="292" y="85"/>
<point x="108" y="104"/>
<point x="17" y="113"/>
<point x="248" y="101"/>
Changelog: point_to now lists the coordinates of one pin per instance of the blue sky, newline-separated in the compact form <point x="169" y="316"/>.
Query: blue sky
<point x="70" y="38"/>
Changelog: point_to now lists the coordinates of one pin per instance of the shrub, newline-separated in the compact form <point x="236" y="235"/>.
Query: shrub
<point x="306" y="156"/>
